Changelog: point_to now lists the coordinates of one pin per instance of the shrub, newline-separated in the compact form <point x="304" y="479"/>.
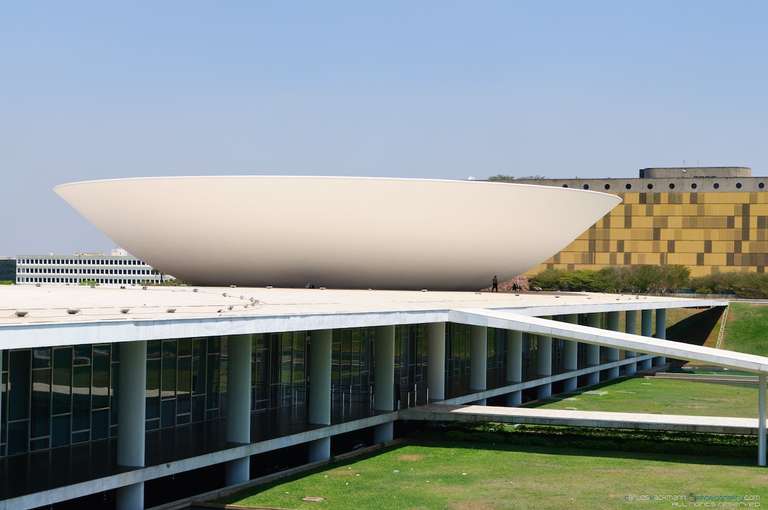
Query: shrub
<point x="635" y="279"/>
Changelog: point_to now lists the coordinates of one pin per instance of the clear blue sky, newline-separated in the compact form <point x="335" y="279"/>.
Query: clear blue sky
<point x="424" y="89"/>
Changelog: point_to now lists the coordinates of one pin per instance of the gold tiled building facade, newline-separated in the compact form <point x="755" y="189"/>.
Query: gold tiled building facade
<point x="708" y="231"/>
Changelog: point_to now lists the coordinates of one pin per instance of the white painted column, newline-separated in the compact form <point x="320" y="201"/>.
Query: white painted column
<point x="384" y="380"/>
<point x="646" y="329"/>
<point x="239" y="350"/>
<point x="514" y="365"/>
<point x="761" y="421"/>
<point x="593" y="351"/>
<point x="630" y="327"/>
<point x="661" y="332"/>
<point x="570" y="355"/>
<point x="544" y="364"/>
<point x="320" y="390"/>
<point x="436" y="359"/>
<point x="131" y="419"/>
<point x="612" y="321"/>
<point x="478" y="359"/>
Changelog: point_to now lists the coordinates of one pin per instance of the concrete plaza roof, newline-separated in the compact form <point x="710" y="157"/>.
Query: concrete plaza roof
<point x="63" y="315"/>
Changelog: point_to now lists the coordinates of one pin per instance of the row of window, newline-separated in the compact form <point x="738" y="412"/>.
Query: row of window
<point x="64" y="270"/>
<point x="116" y="281"/>
<point x="671" y="185"/>
<point x="92" y="262"/>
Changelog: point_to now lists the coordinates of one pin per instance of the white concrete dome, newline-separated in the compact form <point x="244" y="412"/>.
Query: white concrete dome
<point x="341" y="232"/>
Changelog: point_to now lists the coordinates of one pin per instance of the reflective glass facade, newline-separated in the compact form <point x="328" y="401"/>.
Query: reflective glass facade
<point x="411" y="359"/>
<point x="352" y="373"/>
<point x="497" y="358"/>
<point x="457" y="362"/>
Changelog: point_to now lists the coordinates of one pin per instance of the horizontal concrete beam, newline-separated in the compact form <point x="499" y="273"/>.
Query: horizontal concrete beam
<point x="617" y="339"/>
<point x="592" y="419"/>
<point x="51" y="334"/>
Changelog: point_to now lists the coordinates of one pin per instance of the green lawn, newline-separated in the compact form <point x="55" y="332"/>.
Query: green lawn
<point x="664" y="396"/>
<point x="746" y="329"/>
<point x="476" y="476"/>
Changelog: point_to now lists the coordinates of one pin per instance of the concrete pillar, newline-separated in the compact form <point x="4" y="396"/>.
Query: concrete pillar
<point x="436" y="359"/>
<point x="612" y="321"/>
<point x="570" y="355"/>
<point x="646" y="329"/>
<point x="514" y="365"/>
<point x="544" y="365"/>
<point x="593" y="351"/>
<point x="320" y="377"/>
<point x="320" y="449"/>
<point x="384" y="379"/>
<point x="239" y="349"/>
<point x="478" y="359"/>
<point x="661" y="332"/>
<point x="761" y="421"/>
<point x="384" y="369"/>
<point x="630" y="327"/>
<point x="131" y="419"/>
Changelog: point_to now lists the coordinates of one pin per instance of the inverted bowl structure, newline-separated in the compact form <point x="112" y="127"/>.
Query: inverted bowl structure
<point x="342" y="232"/>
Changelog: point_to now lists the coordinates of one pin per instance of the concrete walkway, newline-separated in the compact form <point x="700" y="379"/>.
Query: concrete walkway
<point x="633" y="421"/>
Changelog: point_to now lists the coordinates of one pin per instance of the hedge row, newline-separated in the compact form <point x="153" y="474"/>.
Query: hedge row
<point x="652" y="279"/>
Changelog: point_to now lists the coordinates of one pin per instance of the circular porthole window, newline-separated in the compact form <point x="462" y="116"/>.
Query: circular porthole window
<point x="650" y="186"/>
<point x="761" y="185"/>
<point x="671" y="185"/>
<point x="628" y="186"/>
<point x="716" y="185"/>
<point x="586" y="186"/>
<point x="607" y="186"/>
<point x="694" y="185"/>
<point x="738" y="185"/>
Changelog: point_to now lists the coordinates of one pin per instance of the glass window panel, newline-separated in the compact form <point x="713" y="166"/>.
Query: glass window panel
<point x="81" y="437"/>
<point x="169" y="369"/>
<point x="153" y="389"/>
<point x="41" y="402"/>
<point x="101" y="368"/>
<point x="61" y="431"/>
<point x="19" y="385"/>
<point x="81" y="398"/>
<point x="198" y="408"/>
<point x="185" y="347"/>
<point x="100" y="424"/>
<point x="41" y="357"/>
<point x="198" y="374"/>
<point x="39" y="444"/>
<point x="168" y="413"/>
<point x="153" y="349"/>
<point x="82" y="355"/>
<point x="18" y="436"/>
<point x="62" y="380"/>
<point x="115" y="388"/>
<point x="212" y="381"/>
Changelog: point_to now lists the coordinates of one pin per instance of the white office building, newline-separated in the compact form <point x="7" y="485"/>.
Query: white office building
<point x="116" y="268"/>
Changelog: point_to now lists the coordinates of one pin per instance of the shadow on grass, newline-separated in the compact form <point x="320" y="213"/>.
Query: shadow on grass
<point x="563" y="396"/>
<point x="663" y="446"/>
<point x="702" y="449"/>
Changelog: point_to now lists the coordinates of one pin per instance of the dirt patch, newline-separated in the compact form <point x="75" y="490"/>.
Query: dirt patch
<point x="472" y="505"/>
<point x="411" y="457"/>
